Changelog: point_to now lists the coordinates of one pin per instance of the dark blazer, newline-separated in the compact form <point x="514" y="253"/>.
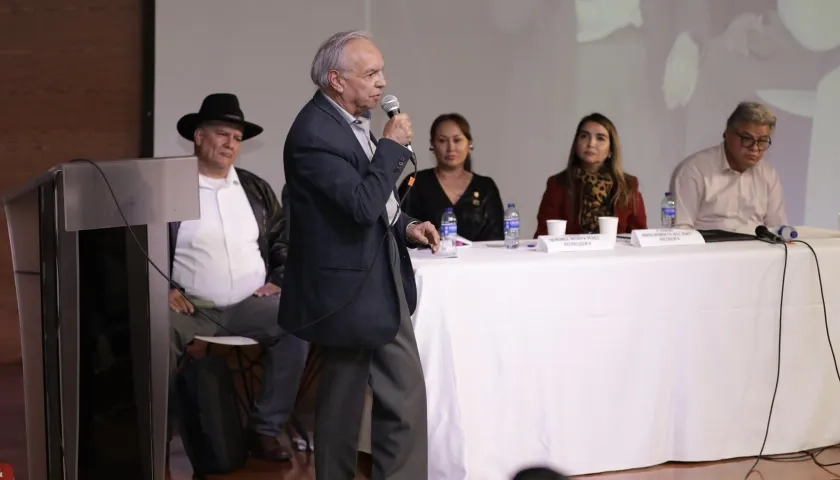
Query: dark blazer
<point x="336" y="204"/>
<point x="559" y="204"/>
<point x="271" y="222"/>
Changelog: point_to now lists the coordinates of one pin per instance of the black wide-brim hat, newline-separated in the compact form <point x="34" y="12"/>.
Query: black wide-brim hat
<point x="218" y="107"/>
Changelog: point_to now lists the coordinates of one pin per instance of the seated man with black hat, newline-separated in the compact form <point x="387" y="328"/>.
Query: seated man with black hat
<point x="230" y="264"/>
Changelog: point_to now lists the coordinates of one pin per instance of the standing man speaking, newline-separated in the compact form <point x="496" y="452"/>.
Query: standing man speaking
<point x="349" y="284"/>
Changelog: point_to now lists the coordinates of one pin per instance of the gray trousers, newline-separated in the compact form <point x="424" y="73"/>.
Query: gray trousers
<point x="283" y="362"/>
<point x="399" y="436"/>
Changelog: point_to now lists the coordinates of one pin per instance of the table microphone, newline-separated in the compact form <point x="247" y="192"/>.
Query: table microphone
<point x="764" y="234"/>
<point x="391" y="106"/>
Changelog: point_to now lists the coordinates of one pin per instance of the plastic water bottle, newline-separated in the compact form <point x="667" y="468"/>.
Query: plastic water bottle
<point x="511" y="226"/>
<point x="449" y="233"/>
<point x="787" y="232"/>
<point x="669" y="211"/>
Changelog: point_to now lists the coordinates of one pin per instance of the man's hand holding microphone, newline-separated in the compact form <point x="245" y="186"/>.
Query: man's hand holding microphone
<point x="400" y="130"/>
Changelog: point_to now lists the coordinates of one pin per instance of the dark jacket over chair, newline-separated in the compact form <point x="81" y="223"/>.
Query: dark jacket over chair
<point x="271" y="222"/>
<point x="559" y="204"/>
<point x="338" y="271"/>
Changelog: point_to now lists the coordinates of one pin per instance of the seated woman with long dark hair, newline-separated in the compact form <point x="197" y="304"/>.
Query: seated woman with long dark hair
<point x="474" y="198"/>
<point x="593" y="184"/>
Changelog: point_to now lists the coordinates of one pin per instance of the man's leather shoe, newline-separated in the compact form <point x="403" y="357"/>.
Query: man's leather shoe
<point x="268" y="448"/>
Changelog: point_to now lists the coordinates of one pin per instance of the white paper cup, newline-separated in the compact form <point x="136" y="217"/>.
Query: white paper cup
<point x="608" y="226"/>
<point x="556" y="228"/>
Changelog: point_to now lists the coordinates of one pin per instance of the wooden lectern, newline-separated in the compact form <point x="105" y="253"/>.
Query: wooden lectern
<point x="94" y="315"/>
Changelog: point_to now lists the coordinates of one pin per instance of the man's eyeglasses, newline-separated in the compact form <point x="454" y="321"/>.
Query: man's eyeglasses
<point x="747" y="141"/>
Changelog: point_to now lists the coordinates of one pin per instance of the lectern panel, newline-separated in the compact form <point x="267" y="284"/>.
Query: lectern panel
<point x="149" y="191"/>
<point x="94" y="315"/>
<point x="23" y="217"/>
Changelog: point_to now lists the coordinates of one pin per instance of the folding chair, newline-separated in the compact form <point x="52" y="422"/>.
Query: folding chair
<point x="246" y="371"/>
<point x="246" y="365"/>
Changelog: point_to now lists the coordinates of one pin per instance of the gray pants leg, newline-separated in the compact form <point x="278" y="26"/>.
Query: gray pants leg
<point x="339" y="401"/>
<point x="283" y="362"/>
<point x="399" y="434"/>
<point x="182" y="330"/>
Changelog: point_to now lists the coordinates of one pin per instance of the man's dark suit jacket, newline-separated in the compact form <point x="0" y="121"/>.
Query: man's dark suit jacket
<point x="336" y="203"/>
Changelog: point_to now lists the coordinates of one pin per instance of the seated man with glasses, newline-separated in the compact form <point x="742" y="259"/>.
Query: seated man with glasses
<point x="728" y="186"/>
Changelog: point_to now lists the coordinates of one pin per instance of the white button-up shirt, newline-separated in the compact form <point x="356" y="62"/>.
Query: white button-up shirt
<point x="710" y="195"/>
<point x="217" y="257"/>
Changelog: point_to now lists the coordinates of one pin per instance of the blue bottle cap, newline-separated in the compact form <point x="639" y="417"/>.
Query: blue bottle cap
<point x="448" y="210"/>
<point x="511" y="205"/>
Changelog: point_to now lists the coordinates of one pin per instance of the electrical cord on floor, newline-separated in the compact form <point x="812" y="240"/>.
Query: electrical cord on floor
<point x="814" y="453"/>
<point x="788" y="457"/>
<point x="265" y="342"/>
<point x="778" y="369"/>
<point x="824" y="466"/>
<point x="803" y="456"/>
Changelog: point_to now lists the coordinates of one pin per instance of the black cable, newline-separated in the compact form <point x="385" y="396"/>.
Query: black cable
<point x="824" y="466"/>
<point x="825" y="311"/>
<point x="788" y="457"/>
<point x="812" y="454"/>
<point x="805" y="455"/>
<point x="265" y="342"/>
<point x="778" y="368"/>
<point x="830" y="345"/>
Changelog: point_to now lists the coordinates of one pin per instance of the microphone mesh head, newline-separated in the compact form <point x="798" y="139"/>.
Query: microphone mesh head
<point x="390" y="103"/>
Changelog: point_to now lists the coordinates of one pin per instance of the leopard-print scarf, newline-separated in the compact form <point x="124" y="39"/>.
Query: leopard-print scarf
<point x="595" y="199"/>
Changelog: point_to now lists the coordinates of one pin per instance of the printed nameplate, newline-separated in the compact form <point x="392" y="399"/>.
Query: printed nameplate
<point x="574" y="243"/>
<point x="660" y="237"/>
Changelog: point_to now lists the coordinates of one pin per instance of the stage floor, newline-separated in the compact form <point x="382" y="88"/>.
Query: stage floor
<point x="13" y="451"/>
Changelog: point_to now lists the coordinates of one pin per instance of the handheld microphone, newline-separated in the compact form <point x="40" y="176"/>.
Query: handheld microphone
<point x="763" y="233"/>
<point x="391" y="106"/>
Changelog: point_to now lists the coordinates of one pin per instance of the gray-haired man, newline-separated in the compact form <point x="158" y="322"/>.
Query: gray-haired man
<point x="230" y="263"/>
<point x="349" y="284"/>
<point x="728" y="186"/>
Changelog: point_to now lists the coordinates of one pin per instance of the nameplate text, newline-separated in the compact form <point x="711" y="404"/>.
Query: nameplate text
<point x="574" y="243"/>
<point x="661" y="237"/>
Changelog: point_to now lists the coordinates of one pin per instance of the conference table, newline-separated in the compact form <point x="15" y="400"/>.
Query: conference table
<point x="625" y="358"/>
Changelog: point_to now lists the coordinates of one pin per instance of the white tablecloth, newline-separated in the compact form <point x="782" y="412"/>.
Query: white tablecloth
<point x="611" y="360"/>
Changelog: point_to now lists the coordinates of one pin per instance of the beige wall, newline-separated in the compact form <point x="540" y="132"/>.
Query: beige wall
<point x="523" y="72"/>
